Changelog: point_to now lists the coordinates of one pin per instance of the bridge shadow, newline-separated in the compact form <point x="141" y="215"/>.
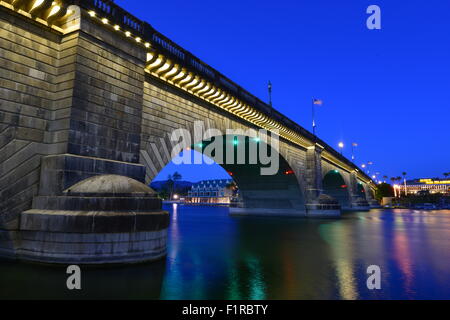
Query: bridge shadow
<point x="335" y="186"/>
<point x="43" y="282"/>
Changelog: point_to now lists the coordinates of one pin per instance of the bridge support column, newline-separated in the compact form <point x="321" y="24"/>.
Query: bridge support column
<point x="358" y="201"/>
<point x="318" y="204"/>
<point x="373" y="203"/>
<point x="85" y="201"/>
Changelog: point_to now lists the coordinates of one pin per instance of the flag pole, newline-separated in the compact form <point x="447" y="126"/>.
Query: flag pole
<point x="313" y="117"/>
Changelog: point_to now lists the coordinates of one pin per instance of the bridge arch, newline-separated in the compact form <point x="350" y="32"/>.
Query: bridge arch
<point x="361" y="190"/>
<point x="335" y="185"/>
<point x="263" y="187"/>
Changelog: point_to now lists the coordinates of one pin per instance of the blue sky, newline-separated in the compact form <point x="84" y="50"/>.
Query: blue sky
<point x="388" y="90"/>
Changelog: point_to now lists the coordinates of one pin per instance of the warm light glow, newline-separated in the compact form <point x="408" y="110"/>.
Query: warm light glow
<point x="117" y="27"/>
<point x="147" y="45"/>
<point x="37" y="3"/>
<point x="175" y="196"/>
<point x="138" y="39"/>
<point x="92" y="13"/>
<point x="128" y="33"/>
<point x="54" y="10"/>
<point x="431" y="181"/>
<point x="341" y="145"/>
<point x="105" y="21"/>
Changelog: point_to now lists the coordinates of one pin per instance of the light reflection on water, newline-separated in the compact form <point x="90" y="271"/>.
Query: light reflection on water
<point x="214" y="256"/>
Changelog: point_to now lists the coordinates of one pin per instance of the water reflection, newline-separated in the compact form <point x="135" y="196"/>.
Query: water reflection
<point x="214" y="256"/>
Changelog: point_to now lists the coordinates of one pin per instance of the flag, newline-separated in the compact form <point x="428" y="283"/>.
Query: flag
<point x="317" y="102"/>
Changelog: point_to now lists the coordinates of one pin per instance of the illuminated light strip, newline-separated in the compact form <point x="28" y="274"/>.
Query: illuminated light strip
<point x="200" y="86"/>
<point x="195" y="81"/>
<point x="187" y="79"/>
<point x="220" y="97"/>
<point x="183" y="75"/>
<point x="326" y="155"/>
<point x="164" y="69"/>
<point x="174" y="72"/>
<point x="229" y="103"/>
<point x="237" y="107"/>
<point x="157" y="64"/>
<point x="235" y="103"/>
<point x="217" y="93"/>
<point x="205" y="89"/>
<point x="211" y="93"/>
<point x="224" y="98"/>
<point x="44" y="12"/>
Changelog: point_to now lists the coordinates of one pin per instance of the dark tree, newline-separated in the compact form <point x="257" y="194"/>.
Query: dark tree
<point x="384" y="190"/>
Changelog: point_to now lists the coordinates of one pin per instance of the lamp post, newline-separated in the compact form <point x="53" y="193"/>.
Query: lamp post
<point x="354" y="145"/>
<point x="269" y="87"/>
<point x="370" y="163"/>
<point x="341" y="147"/>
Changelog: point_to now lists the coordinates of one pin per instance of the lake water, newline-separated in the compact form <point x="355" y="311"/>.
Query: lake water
<point x="214" y="256"/>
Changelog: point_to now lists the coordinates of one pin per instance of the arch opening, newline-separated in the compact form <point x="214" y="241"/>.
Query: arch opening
<point x="264" y="178"/>
<point x="335" y="186"/>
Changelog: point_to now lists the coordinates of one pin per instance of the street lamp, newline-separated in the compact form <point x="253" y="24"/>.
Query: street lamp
<point x="368" y="166"/>
<point x="341" y="146"/>
<point x="354" y="145"/>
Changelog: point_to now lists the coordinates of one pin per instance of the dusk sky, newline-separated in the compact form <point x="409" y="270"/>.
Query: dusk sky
<point x="388" y="90"/>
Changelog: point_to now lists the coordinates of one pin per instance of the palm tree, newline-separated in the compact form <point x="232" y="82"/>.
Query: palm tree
<point x="169" y="185"/>
<point x="446" y="174"/>
<point x="176" y="176"/>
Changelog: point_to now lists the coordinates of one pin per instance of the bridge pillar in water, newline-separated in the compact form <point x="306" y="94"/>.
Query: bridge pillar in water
<point x="358" y="200"/>
<point x="318" y="204"/>
<point x="81" y="120"/>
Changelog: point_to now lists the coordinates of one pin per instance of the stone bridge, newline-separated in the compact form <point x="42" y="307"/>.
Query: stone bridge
<point x="88" y="90"/>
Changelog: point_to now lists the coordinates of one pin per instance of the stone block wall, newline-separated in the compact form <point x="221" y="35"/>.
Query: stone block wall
<point x="107" y="95"/>
<point x="31" y="88"/>
<point x="77" y="93"/>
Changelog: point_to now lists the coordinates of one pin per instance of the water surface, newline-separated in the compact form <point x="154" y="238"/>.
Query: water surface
<point x="214" y="256"/>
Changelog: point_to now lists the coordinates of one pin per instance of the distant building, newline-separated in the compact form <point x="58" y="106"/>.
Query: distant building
<point x="419" y="186"/>
<point x="212" y="191"/>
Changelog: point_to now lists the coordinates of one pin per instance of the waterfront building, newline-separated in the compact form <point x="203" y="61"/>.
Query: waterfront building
<point x="212" y="191"/>
<point x="432" y="186"/>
